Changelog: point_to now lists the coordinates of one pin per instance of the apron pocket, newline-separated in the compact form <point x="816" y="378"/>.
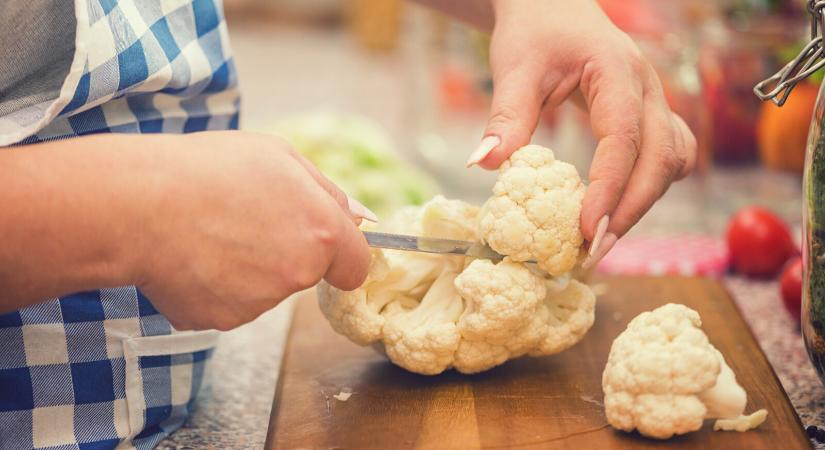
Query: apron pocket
<point x="163" y="375"/>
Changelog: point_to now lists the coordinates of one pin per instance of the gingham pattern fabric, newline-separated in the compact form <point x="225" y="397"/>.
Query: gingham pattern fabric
<point x="69" y="364"/>
<point x="139" y="67"/>
<point x="104" y="369"/>
<point x="681" y="254"/>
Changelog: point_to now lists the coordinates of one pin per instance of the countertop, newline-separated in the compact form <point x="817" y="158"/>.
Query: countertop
<point x="287" y="70"/>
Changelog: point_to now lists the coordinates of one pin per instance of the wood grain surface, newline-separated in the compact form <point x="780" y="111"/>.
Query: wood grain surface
<point x="551" y="402"/>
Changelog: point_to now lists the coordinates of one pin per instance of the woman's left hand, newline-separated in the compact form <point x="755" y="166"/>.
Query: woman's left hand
<point x="543" y="52"/>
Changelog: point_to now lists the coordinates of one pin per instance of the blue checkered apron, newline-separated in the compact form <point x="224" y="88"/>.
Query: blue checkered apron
<point x="104" y="369"/>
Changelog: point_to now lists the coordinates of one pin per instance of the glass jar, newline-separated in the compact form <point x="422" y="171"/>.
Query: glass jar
<point x="813" y="249"/>
<point x="777" y="88"/>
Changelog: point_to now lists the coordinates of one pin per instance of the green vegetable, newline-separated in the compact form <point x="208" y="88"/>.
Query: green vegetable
<point x="358" y="156"/>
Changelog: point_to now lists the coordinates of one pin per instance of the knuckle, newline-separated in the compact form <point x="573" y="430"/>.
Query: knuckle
<point x="628" y="140"/>
<point x="327" y="234"/>
<point x="671" y="160"/>
<point x="638" y="64"/>
<point x="505" y="115"/>
<point x="306" y="277"/>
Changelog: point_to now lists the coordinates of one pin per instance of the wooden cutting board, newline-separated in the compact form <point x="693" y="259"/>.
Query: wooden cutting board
<point x="551" y="402"/>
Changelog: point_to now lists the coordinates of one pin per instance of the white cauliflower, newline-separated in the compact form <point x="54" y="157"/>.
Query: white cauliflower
<point x="663" y="377"/>
<point x="430" y="313"/>
<point x="534" y="212"/>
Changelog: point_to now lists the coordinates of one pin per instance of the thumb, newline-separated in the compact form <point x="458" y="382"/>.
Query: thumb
<point x="350" y="265"/>
<point x="517" y="102"/>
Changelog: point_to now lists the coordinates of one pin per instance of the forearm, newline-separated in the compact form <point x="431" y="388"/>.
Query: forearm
<point x="69" y="215"/>
<point x="478" y="13"/>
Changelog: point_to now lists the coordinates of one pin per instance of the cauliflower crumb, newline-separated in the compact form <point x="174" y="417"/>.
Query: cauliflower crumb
<point x="342" y="396"/>
<point x="741" y="423"/>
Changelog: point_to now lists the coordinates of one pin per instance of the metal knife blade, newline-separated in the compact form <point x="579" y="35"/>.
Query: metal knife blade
<point x="431" y="245"/>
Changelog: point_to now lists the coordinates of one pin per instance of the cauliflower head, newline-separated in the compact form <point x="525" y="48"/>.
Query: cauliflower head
<point x="534" y="211"/>
<point x="429" y="313"/>
<point x="663" y="377"/>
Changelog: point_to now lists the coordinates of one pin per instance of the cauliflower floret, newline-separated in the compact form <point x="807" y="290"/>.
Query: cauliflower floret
<point x="663" y="376"/>
<point x="534" y="212"/>
<point x="449" y="219"/>
<point x="502" y="300"/>
<point x="428" y="313"/>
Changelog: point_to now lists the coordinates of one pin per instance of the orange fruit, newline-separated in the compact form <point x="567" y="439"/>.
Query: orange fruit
<point x="782" y="132"/>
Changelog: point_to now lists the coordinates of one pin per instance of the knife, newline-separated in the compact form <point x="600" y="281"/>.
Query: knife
<point x="432" y="245"/>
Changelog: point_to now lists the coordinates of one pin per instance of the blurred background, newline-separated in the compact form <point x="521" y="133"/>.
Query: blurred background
<point x="389" y="99"/>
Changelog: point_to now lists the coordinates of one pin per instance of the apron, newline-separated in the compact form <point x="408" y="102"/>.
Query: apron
<point x="103" y="369"/>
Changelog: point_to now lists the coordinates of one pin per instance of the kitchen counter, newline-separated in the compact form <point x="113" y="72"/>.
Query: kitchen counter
<point x="290" y="68"/>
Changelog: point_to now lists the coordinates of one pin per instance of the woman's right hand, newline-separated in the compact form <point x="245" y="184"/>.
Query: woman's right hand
<point x="234" y="223"/>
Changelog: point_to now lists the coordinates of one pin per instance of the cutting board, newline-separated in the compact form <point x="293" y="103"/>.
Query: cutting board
<point x="550" y="402"/>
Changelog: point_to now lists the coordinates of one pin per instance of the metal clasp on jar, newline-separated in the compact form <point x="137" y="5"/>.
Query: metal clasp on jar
<point x="809" y="60"/>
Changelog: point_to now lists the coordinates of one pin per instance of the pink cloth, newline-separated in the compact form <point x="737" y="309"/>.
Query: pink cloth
<point x="682" y="254"/>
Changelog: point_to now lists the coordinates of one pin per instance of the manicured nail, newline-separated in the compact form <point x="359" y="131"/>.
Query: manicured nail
<point x="601" y="228"/>
<point x="359" y="210"/>
<point x="607" y="242"/>
<point x="487" y="145"/>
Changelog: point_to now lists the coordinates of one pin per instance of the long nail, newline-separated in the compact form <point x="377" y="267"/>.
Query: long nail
<point x="601" y="228"/>
<point x="607" y="243"/>
<point x="487" y="145"/>
<point x="361" y="211"/>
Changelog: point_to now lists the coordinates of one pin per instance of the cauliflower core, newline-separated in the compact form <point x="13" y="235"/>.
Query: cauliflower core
<point x="430" y="313"/>
<point x="534" y="212"/>
<point x="663" y="377"/>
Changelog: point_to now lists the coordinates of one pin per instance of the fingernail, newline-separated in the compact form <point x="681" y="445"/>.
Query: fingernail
<point x="361" y="211"/>
<point x="601" y="228"/>
<point x="607" y="243"/>
<point x="487" y="145"/>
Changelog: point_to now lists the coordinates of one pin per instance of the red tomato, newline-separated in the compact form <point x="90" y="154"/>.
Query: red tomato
<point x="791" y="287"/>
<point x="759" y="242"/>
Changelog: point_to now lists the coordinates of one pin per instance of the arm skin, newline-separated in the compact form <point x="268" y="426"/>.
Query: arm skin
<point x="66" y="224"/>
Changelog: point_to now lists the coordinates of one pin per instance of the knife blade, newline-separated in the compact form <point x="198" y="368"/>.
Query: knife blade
<point x="431" y="245"/>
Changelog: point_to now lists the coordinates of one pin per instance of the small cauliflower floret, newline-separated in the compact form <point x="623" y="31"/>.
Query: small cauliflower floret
<point x="663" y="377"/>
<point x="534" y="212"/>
<point x="449" y="219"/>
<point x="429" y="313"/>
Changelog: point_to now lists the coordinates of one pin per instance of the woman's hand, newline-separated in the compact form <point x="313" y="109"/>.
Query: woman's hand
<point x="235" y="223"/>
<point x="215" y="228"/>
<point x="543" y="52"/>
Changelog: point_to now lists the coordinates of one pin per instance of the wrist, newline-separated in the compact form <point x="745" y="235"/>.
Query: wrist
<point x="142" y="192"/>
